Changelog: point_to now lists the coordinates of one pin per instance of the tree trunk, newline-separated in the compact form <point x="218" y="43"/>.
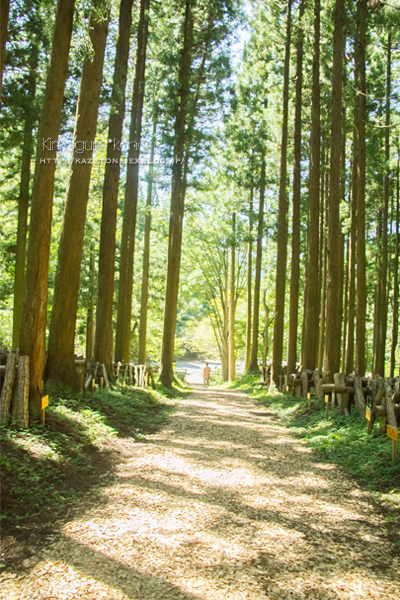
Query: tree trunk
<point x="385" y="217"/>
<point x="361" y="120"/>
<point x="36" y="279"/>
<point x="177" y="207"/>
<point x="249" y="284"/>
<point x="103" y="349"/>
<point x="4" y="12"/>
<point x="323" y="280"/>
<point x="333" y="297"/>
<point x="91" y="311"/>
<point x="266" y="330"/>
<point x="232" y="365"/>
<point x="146" y="252"/>
<point x="322" y="264"/>
<point x="395" y="322"/>
<point x="123" y="333"/>
<point x="61" y="350"/>
<point x="349" y="366"/>
<point x="295" y="263"/>
<point x="253" y="366"/>
<point x="345" y="301"/>
<point x="225" y="327"/>
<point x="377" y="299"/>
<point x="282" y="219"/>
<point x="23" y="203"/>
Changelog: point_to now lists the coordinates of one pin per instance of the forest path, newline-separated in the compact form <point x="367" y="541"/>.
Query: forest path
<point x="222" y="504"/>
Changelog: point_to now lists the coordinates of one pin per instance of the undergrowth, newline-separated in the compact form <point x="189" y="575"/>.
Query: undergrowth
<point x="46" y="466"/>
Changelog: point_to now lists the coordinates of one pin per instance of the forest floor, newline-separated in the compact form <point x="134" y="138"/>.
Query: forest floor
<point x="222" y="503"/>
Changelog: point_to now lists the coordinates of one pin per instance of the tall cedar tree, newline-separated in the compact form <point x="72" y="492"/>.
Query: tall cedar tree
<point x="35" y="303"/>
<point x="146" y="250"/>
<point x="4" y="13"/>
<point x="123" y="333"/>
<point x="23" y="200"/>
<point x="282" y="217"/>
<point x="395" y="322"/>
<point x="61" y="350"/>
<point x="103" y="348"/>
<point x="295" y="264"/>
<point x="349" y="362"/>
<point x="381" y="354"/>
<point x="311" y="294"/>
<point x="360" y="46"/>
<point x="333" y="300"/>
<point x="177" y="204"/>
<point x="253" y="366"/>
<point x="232" y="303"/>
<point x="249" y="283"/>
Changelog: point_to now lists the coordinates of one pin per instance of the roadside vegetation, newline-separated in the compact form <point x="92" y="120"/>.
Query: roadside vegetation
<point x="336" y="439"/>
<point x="46" y="467"/>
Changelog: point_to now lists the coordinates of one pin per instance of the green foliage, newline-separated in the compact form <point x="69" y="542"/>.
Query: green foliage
<point x="339" y="439"/>
<point x="47" y="466"/>
<point x="336" y="439"/>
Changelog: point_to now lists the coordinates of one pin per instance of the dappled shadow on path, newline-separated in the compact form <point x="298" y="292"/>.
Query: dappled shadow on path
<point x="223" y="504"/>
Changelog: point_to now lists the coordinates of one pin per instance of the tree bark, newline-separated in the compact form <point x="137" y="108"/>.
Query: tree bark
<point x="91" y="311"/>
<point x="282" y="219"/>
<point x="232" y="364"/>
<point x="345" y="301"/>
<point x="385" y="217"/>
<point x="177" y="206"/>
<point x="249" y="284"/>
<point x="322" y="266"/>
<point x="349" y="365"/>
<point x="20" y="414"/>
<point x="253" y="366"/>
<point x="377" y="299"/>
<point x="23" y="202"/>
<point x="295" y="262"/>
<point x="4" y="13"/>
<point x="359" y="397"/>
<point x="361" y="120"/>
<point x="61" y="350"/>
<point x="333" y="298"/>
<point x="395" y="322"/>
<point x="323" y="279"/>
<point x="7" y="388"/>
<point x="266" y="330"/>
<point x="123" y="333"/>
<point x="36" y="279"/>
<point x="103" y="348"/>
<point x="146" y="252"/>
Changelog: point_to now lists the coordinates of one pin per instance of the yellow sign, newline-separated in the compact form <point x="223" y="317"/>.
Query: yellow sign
<point x="309" y="396"/>
<point x="326" y="398"/>
<point x="45" y="402"/>
<point x="368" y="414"/>
<point x="392" y="433"/>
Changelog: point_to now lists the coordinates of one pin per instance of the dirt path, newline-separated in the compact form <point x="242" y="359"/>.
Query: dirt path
<point x="222" y="504"/>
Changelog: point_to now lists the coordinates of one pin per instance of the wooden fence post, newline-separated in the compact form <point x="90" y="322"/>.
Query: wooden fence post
<point x="6" y="392"/>
<point x="21" y="405"/>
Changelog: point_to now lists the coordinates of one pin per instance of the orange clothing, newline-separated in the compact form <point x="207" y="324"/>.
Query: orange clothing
<point x="206" y="372"/>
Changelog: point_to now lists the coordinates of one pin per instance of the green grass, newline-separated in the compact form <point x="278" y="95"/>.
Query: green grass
<point x="45" y="467"/>
<point x="336" y="439"/>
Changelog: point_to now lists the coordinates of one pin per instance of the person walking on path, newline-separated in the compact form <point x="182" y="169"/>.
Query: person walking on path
<point x="206" y="375"/>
